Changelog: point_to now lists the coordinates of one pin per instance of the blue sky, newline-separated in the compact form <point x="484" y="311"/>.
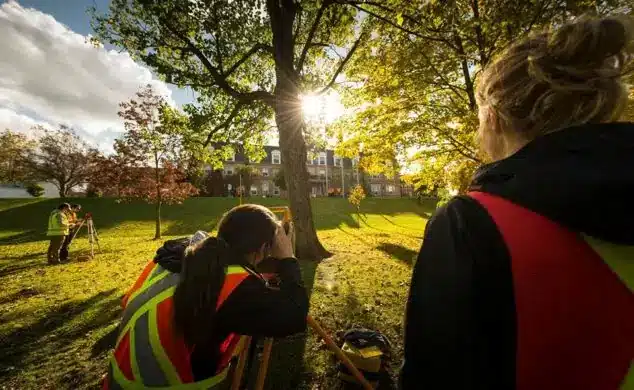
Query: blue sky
<point x="50" y="75"/>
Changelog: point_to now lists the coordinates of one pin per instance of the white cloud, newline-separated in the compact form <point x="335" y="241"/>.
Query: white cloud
<point x="50" y="74"/>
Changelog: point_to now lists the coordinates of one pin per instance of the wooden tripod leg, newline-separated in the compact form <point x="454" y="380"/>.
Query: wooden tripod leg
<point x="242" y="360"/>
<point x="264" y="364"/>
<point x="339" y="353"/>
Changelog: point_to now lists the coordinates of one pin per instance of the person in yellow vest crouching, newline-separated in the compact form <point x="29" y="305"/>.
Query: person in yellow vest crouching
<point x="58" y="229"/>
<point x="185" y="318"/>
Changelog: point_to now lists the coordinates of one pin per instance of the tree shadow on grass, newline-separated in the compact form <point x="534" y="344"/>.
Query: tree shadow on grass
<point x="365" y="222"/>
<point x="18" y="295"/>
<point x="401" y="226"/>
<point x="29" y="256"/>
<point x="50" y="338"/>
<point x="18" y="268"/>
<point x="22" y="238"/>
<point x="356" y="237"/>
<point x="401" y="253"/>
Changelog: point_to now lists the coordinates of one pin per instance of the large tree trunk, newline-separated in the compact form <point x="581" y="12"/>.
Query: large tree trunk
<point x="289" y="120"/>
<point x="63" y="190"/>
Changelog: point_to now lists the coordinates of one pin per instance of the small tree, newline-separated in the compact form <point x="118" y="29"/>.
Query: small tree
<point x="15" y="149"/>
<point x="158" y="138"/>
<point x="355" y="198"/>
<point x="63" y="159"/>
<point x="35" y="190"/>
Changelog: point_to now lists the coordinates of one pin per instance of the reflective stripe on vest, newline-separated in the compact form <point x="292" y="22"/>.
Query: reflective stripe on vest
<point x="150" y="364"/>
<point x="575" y="317"/>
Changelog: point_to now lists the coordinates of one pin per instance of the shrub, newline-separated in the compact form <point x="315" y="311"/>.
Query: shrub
<point x="35" y="190"/>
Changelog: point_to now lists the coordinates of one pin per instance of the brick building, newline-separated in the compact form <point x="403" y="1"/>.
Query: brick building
<point x="328" y="174"/>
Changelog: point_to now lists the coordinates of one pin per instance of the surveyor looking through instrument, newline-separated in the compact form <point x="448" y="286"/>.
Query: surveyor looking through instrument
<point x="184" y="317"/>
<point x="73" y="223"/>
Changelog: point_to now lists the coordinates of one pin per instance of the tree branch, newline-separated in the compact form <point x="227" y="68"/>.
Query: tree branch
<point x="220" y="81"/>
<point x="311" y="34"/>
<point x="342" y="64"/>
<point x="389" y="22"/>
<point x="225" y="124"/>
<point x="247" y="55"/>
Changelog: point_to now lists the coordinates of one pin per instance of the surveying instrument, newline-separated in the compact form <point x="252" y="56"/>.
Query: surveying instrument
<point x="93" y="237"/>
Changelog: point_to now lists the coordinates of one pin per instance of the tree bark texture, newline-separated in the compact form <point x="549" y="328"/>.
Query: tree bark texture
<point x="290" y="123"/>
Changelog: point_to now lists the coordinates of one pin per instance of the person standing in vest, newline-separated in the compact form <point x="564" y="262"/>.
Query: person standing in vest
<point x="58" y="227"/>
<point x="527" y="281"/>
<point x="185" y="318"/>
<point x="73" y="223"/>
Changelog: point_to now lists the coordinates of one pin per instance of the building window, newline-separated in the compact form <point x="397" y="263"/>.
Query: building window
<point x="275" y="172"/>
<point x="276" y="157"/>
<point x="265" y="172"/>
<point x="228" y="171"/>
<point x="314" y="191"/>
<point x="389" y="188"/>
<point x="376" y="189"/>
<point x="254" y="190"/>
<point x="322" y="173"/>
<point x="265" y="188"/>
<point x="338" y="161"/>
<point x="276" y="190"/>
<point x="322" y="158"/>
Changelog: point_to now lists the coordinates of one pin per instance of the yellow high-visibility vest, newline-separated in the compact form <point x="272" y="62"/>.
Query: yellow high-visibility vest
<point x="57" y="224"/>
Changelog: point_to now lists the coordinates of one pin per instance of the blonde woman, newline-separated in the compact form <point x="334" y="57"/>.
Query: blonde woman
<point x="527" y="282"/>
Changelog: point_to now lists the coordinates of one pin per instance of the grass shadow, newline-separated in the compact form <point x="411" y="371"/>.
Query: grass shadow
<point x="355" y="236"/>
<point x="401" y="226"/>
<point x="22" y="238"/>
<point x="30" y="256"/>
<point x="399" y="252"/>
<point x="14" y="269"/>
<point x="365" y="222"/>
<point x="18" y="295"/>
<point x="53" y="334"/>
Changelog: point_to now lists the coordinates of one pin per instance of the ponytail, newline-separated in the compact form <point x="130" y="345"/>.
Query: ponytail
<point x="243" y="231"/>
<point x="196" y="295"/>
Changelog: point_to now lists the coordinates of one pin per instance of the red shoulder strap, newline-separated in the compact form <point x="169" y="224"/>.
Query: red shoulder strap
<point x="575" y="319"/>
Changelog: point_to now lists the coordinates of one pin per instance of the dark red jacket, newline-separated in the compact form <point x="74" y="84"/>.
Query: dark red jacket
<point x="527" y="283"/>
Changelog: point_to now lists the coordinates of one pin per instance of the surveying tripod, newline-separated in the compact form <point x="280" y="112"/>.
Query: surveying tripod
<point x="268" y="343"/>
<point x="93" y="237"/>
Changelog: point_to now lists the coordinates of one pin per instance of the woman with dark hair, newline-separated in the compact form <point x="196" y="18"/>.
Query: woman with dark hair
<point x="527" y="281"/>
<point x="182" y="323"/>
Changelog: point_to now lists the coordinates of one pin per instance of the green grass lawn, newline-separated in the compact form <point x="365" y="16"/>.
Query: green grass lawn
<point x="55" y="321"/>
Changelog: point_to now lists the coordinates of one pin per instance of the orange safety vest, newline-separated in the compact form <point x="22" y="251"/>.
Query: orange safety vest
<point x="148" y="352"/>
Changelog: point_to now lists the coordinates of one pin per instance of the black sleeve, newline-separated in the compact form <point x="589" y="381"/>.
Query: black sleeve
<point x="256" y="310"/>
<point x="460" y="327"/>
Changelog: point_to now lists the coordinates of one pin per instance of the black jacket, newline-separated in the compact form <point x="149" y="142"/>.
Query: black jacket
<point x="252" y="308"/>
<point x="461" y="320"/>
